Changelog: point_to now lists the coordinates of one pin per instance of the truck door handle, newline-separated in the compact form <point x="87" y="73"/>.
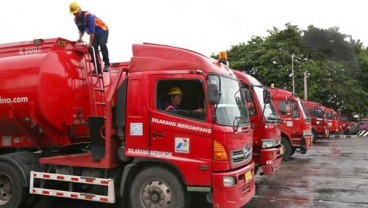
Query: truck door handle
<point x="158" y="134"/>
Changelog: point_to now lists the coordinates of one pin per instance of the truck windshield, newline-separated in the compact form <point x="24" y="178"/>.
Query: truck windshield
<point x="318" y="113"/>
<point x="267" y="108"/>
<point x="231" y="107"/>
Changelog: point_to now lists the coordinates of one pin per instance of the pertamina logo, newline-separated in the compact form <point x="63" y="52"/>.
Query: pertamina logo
<point x="182" y="145"/>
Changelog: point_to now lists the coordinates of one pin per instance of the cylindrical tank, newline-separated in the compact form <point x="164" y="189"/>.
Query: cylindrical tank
<point x="44" y="96"/>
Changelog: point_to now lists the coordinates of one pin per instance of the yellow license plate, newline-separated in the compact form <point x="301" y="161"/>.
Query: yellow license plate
<point x="248" y="176"/>
<point x="282" y="149"/>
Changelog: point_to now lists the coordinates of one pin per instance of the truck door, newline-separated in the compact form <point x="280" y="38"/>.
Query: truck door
<point x="179" y="128"/>
<point x="290" y="118"/>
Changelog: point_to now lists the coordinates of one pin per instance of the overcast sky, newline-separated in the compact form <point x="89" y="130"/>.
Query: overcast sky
<point x="205" y="26"/>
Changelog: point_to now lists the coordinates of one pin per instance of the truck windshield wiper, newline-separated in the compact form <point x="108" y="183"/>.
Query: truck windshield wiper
<point x="236" y="122"/>
<point x="273" y="119"/>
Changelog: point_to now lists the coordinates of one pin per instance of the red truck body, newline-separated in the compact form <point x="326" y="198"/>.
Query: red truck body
<point x="316" y="112"/>
<point x="346" y="124"/>
<point x="295" y="125"/>
<point x="334" y="121"/>
<point x="267" y="151"/>
<point x="60" y="123"/>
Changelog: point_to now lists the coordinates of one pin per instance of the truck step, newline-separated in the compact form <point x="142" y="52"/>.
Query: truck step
<point x="100" y="103"/>
<point x="99" y="89"/>
<point x="107" y="182"/>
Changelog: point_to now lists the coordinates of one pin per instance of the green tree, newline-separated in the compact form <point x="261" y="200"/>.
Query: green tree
<point x="336" y="64"/>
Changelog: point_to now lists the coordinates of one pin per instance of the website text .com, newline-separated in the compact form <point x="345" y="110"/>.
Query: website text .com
<point x="13" y="100"/>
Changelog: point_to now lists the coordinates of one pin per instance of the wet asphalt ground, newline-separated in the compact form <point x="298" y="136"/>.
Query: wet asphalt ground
<point x="334" y="173"/>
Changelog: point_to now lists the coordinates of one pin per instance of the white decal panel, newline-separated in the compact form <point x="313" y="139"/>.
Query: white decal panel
<point x="136" y="129"/>
<point x="289" y="123"/>
<point x="6" y="141"/>
<point x="182" y="145"/>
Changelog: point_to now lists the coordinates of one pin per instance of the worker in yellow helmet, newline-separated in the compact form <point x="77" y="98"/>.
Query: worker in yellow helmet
<point x="98" y="34"/>
<point x="175" y="99"/>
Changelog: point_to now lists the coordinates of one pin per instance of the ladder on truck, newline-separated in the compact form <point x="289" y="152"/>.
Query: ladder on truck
<point x="97" y="86"/>
<point x="96" y="122"/>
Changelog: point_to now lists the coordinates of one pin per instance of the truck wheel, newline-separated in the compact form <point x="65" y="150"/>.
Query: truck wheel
<point x="293" y="149"/>
<point x="11" y="189"/>
<point x="315" y="136"/>
<point x="156" y="187"/>
<point x="287" y="148"/>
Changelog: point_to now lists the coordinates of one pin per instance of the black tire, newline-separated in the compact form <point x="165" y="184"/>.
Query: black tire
<point x="12" y="192"/>
<point x="315" y="135"/>
<point x="157" y="186"/>
<point x="293" y="149"/>
<point x="287" y="148"/>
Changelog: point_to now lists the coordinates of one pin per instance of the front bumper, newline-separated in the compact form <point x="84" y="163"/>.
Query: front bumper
<point x="270" y="160"/>
<point x="237" y="195"/>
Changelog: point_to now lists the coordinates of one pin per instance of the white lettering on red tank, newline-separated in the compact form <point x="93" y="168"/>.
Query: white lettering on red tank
<point x="31" y="50"/>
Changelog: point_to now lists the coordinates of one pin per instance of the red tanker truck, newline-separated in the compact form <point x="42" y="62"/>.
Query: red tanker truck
<point x="334" y="121"/>
<point x="66" y="133"/>
<point x="267" y="151"/>
<point x="316" y="112"/>
<point x="295" y="125"/>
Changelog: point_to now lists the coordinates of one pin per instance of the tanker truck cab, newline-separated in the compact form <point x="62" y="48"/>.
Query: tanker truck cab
<point x="334" y="124"/>
<point x="316" y="112"/>
<point x="295" y="125"/>
<point x="208" y="138"/>
<point x="267" y="151"/>
<point x="132" y="145"/>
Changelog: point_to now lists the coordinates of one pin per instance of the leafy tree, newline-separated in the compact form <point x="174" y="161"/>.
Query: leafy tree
<point x="337" y="65"/>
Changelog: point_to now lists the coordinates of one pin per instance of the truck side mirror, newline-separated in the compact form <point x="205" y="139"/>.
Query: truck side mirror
<point x="213" y="93"/>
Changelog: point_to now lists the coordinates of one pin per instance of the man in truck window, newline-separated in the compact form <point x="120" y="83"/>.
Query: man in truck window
<point x="175" y="99"/>
<point x="98" y="34"/>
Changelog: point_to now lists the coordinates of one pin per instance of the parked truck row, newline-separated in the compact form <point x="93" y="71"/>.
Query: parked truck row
<point x="110" y="138"/>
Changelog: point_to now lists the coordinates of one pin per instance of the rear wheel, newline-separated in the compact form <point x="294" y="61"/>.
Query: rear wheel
<point x="11" y="189"/>
<point x="287" y="148"/>
<point x="157" y="187"/>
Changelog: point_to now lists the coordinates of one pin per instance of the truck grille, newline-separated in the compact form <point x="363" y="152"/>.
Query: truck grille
<point x="245" y="188"/>
<point x="241" y="155"/>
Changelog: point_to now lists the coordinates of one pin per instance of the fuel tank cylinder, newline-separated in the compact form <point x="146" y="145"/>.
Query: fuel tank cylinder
<point x="44" y="93"/>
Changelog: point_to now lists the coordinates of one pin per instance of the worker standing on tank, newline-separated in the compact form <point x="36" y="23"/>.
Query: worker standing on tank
<point x="98" y="34"/>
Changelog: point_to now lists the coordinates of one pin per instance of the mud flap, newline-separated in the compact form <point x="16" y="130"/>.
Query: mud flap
<point x="95" y="125"/>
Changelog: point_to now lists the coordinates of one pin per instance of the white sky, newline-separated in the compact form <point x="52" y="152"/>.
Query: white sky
<point x="205" y="26"/>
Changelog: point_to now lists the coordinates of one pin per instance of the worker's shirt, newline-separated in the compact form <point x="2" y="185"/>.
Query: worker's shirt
<point x="172" y="107"/>
<point x="89" y="23"/>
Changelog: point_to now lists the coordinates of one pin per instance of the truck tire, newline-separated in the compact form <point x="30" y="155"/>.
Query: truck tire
<point x="315" y="136"/>
<point x="287" y="147"/>
<point x="12" y="192"/>
<point x="293" y="149"/>
<point x="157" y="187"/>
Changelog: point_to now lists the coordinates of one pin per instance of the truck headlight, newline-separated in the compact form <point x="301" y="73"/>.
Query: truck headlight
<point x="229" y="181"/>
<point x="268" y="143"/>
<point x="307" y="133"/>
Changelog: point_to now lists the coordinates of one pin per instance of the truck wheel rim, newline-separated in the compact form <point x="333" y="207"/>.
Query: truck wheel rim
<point x="6" y="190"/>
<point x="156" y="194"/>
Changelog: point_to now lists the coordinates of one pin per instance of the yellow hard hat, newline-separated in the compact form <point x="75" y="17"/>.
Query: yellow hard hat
<point x="175" y="91"/>
<point x="74" y="7"/>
